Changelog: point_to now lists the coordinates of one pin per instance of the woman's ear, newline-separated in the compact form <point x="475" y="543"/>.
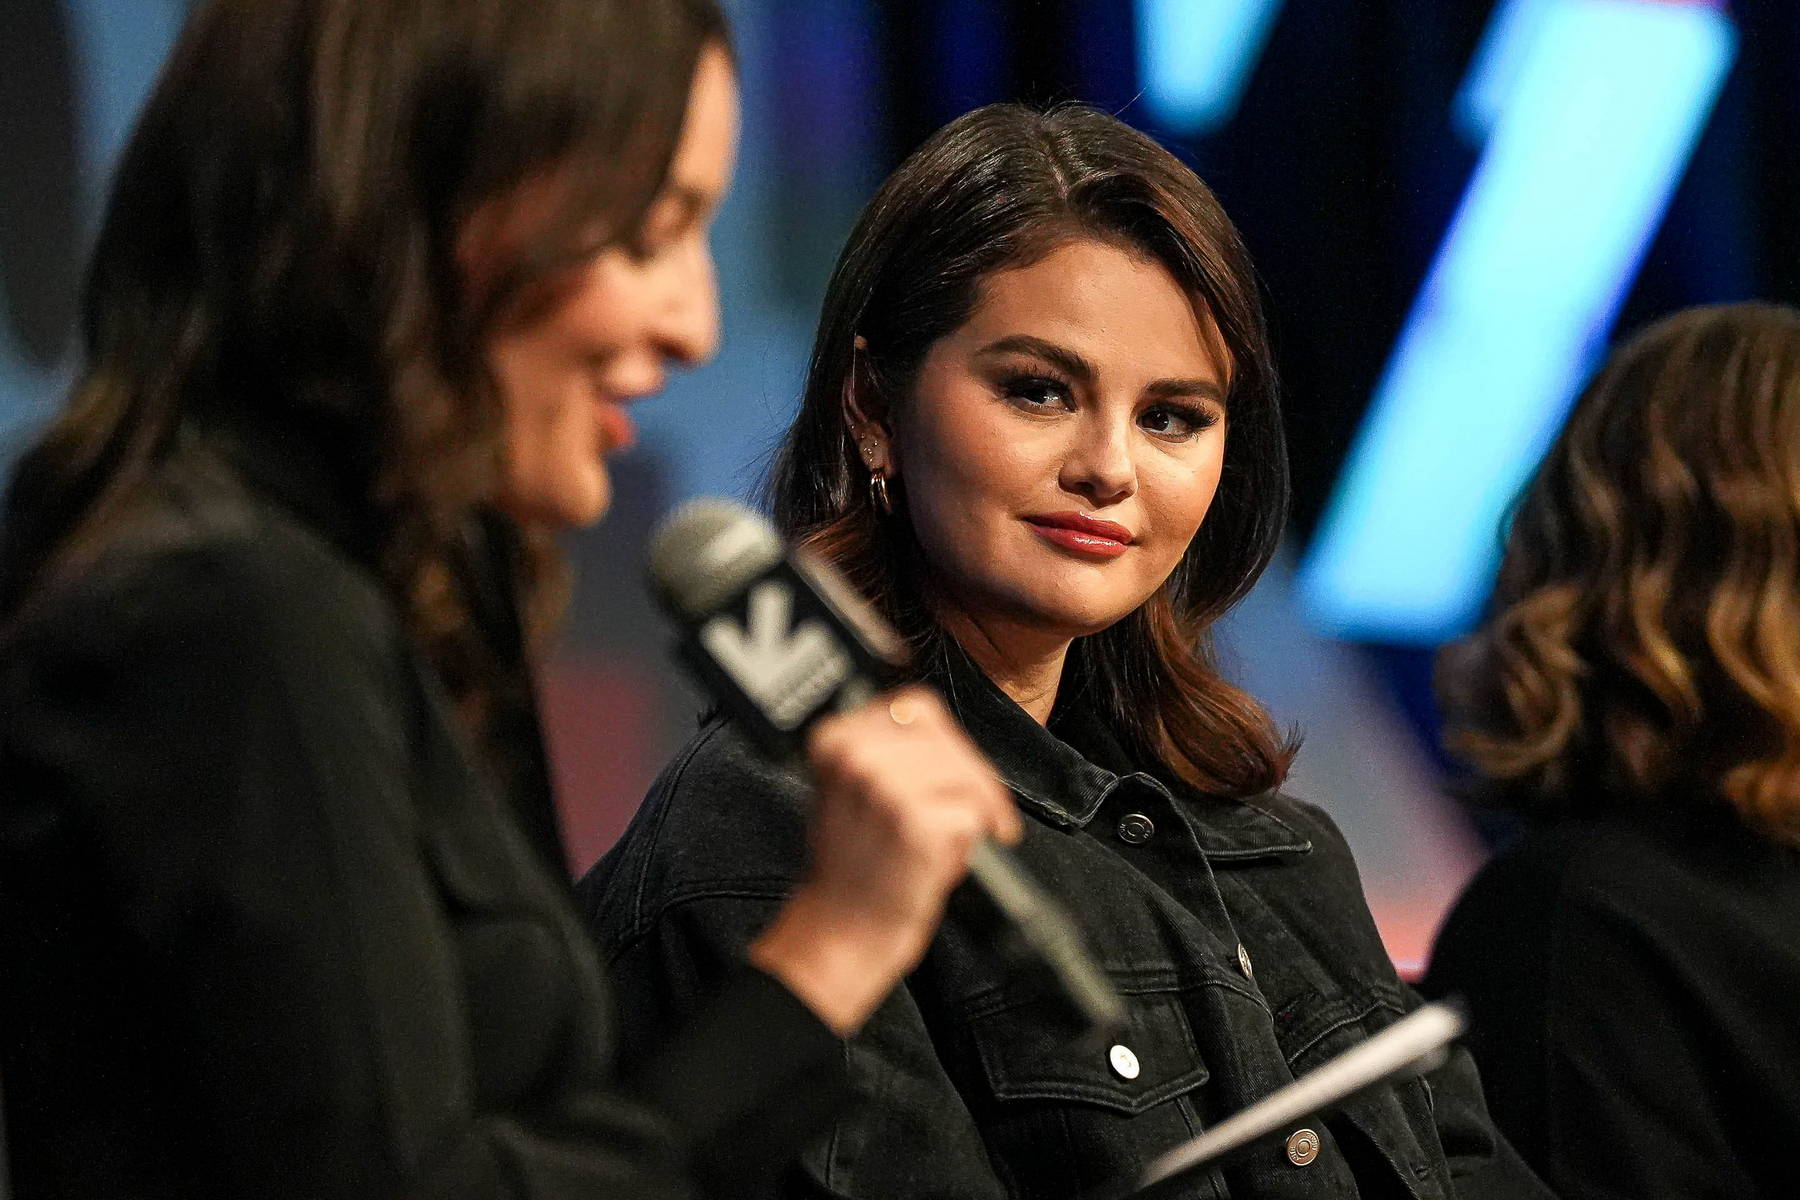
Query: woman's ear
<point x="868" y="427"/>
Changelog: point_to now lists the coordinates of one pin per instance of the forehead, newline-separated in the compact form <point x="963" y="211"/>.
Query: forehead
<point x="704" y="154"/>
<point x="1120" y="309"/>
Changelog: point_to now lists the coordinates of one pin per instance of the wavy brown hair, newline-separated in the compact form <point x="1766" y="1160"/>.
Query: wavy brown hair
<point x="280" y="252"/>
<point x="1644" y="642"/>
<point x="1001" y="187"/>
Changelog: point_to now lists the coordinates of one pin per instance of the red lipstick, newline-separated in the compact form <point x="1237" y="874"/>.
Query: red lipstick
<point x="617" y="430"/>
<point x="1086" y="536"/>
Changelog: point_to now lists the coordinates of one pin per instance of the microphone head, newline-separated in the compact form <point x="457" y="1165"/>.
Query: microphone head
<point x="707" y="551"/>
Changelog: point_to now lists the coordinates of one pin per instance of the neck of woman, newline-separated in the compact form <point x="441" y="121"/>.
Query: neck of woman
<point x="1024" y="661"/>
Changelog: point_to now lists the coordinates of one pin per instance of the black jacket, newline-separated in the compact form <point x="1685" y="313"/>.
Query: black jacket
<point x="265" y="931"/>
<point x="1236" y="931"/>
<point x="1635" y="983"/>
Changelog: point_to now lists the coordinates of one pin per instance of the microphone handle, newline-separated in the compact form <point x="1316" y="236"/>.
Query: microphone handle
<point x="1048" y="937"/>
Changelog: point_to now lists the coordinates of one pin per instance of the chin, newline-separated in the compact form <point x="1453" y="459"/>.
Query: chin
<point x="588" y="511"/>
<point x="568" y="507"/>
<point x="1080" y="625"/>
<point x="1069" y="620"/>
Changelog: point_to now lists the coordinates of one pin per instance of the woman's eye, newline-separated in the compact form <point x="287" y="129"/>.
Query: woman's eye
<point x="661" y="231"/>
<point x="1032" y="392"/>
<point x="1176" y="424"/>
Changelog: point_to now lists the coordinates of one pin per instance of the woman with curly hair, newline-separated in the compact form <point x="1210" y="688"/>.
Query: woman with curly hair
<point x="1634" y="964"/>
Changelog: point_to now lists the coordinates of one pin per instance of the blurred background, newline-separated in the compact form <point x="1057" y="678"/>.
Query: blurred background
<point x="1456" y="206"/>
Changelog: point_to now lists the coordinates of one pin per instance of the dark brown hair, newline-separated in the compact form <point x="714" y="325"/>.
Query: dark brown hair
<point x="1000" y="187"/>
<point x="280" y="247"/>
<point x="1644" y="642"/>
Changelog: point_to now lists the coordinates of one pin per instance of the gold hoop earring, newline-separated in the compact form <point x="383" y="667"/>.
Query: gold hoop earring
<point x="879" y="495"/>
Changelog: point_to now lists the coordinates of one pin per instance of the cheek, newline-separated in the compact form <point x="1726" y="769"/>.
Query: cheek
<point x="562" y="327"/>
<point x="1178" y="495"/>
<point x="976" y="484"/>
<point x="964" y="499"/>
<point x="538" y="391"/>
<point x="965" y="463"/>
<point x="550" y="438"/>
<point x="546" y="367"/>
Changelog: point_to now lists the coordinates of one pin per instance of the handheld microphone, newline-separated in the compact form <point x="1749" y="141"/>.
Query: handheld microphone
<point x="781" y="640"/>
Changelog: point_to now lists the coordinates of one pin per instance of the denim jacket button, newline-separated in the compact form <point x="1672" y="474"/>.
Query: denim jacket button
<point x="1134" y="829"/>
<point x="1124" y="1062"/>
<point x="1302" y="1147"/>
<point x="1244" y="961"/>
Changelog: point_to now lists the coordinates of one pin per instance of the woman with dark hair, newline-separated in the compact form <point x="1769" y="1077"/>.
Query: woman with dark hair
<point x="1633" y="964"/>
<point x="1041" y="431"/>
<point x="282" y="910"/>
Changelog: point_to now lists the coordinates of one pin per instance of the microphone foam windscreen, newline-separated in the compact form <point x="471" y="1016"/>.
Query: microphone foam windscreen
<point x="707" y="551"/>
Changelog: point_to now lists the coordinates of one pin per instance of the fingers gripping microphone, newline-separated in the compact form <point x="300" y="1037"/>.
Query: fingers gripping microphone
<point x="780" y="640"/>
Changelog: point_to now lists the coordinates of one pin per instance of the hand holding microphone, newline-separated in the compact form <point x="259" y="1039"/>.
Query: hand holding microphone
<point x="902" y="797"/>
<point x="904" y="800"/>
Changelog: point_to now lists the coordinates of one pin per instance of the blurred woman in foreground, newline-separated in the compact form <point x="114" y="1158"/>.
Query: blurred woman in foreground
<point x="282" y="911"/>
<point x="1633" y="965"/>
<point x="1041" y="431"/>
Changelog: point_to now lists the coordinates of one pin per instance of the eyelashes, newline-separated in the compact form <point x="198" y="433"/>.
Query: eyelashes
<point x="1193" y="419"/>
<point x="1037" y="391"/>
<point x="1047" y="393"/>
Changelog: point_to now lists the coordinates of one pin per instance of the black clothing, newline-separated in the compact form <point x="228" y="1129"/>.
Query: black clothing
<point x="1635" y="987"/>
<point x="1237" y="933"/>
<point x="267" y="930"/>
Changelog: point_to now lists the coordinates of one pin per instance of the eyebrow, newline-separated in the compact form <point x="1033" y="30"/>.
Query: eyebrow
<point x="1073" y="364"/>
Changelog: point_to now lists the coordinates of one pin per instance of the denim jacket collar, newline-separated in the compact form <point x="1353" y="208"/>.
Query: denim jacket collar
<point x="1065" y="772"/>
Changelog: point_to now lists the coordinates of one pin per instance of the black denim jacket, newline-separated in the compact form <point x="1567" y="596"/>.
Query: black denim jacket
<point x="1237" y="932"/>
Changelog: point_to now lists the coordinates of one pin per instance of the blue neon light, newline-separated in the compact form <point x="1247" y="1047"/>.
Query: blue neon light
<point x="1502" y="57"/>
<point x="1195" y="57"/>
<point x="1596" y="125"/>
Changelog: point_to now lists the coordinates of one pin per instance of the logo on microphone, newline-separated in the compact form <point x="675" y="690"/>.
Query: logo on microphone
<point x="787" y="670"/>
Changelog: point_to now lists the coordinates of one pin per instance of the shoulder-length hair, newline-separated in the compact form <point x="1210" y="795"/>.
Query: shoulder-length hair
<point x="1001" y="187"/>
<point x="281" y="243"/>
<point x="1644" y="642"/>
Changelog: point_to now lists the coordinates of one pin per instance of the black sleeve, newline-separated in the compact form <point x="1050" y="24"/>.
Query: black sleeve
<point x="229" y="971"/>
<point x="1594" y="1056"/>
<point x="911" y="1134"/>
<point x="747" y="1081"/>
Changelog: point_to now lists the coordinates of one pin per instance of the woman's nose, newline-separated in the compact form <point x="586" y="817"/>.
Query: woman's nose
<point x="1099" y="465"/>
<point x="688" y="324"/>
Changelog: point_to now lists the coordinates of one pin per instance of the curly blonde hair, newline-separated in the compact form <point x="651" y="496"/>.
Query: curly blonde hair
<point x="1644" y="642"/>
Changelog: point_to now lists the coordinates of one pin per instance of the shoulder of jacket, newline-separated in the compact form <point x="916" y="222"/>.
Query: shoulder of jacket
<point x="235" y="603"/>
<point x="720" y="822"/>
<point x="1306" y="817"/>
<point x="1600" y="862"/>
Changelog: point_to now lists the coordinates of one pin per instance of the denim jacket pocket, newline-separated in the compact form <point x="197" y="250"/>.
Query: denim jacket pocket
<point x="1063" y="1116"/>
<point x="1153" y="1060"/>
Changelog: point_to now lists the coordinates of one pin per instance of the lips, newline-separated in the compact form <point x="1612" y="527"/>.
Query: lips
<point x="617" y="431"/>
<point x="1082" y="535"/>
